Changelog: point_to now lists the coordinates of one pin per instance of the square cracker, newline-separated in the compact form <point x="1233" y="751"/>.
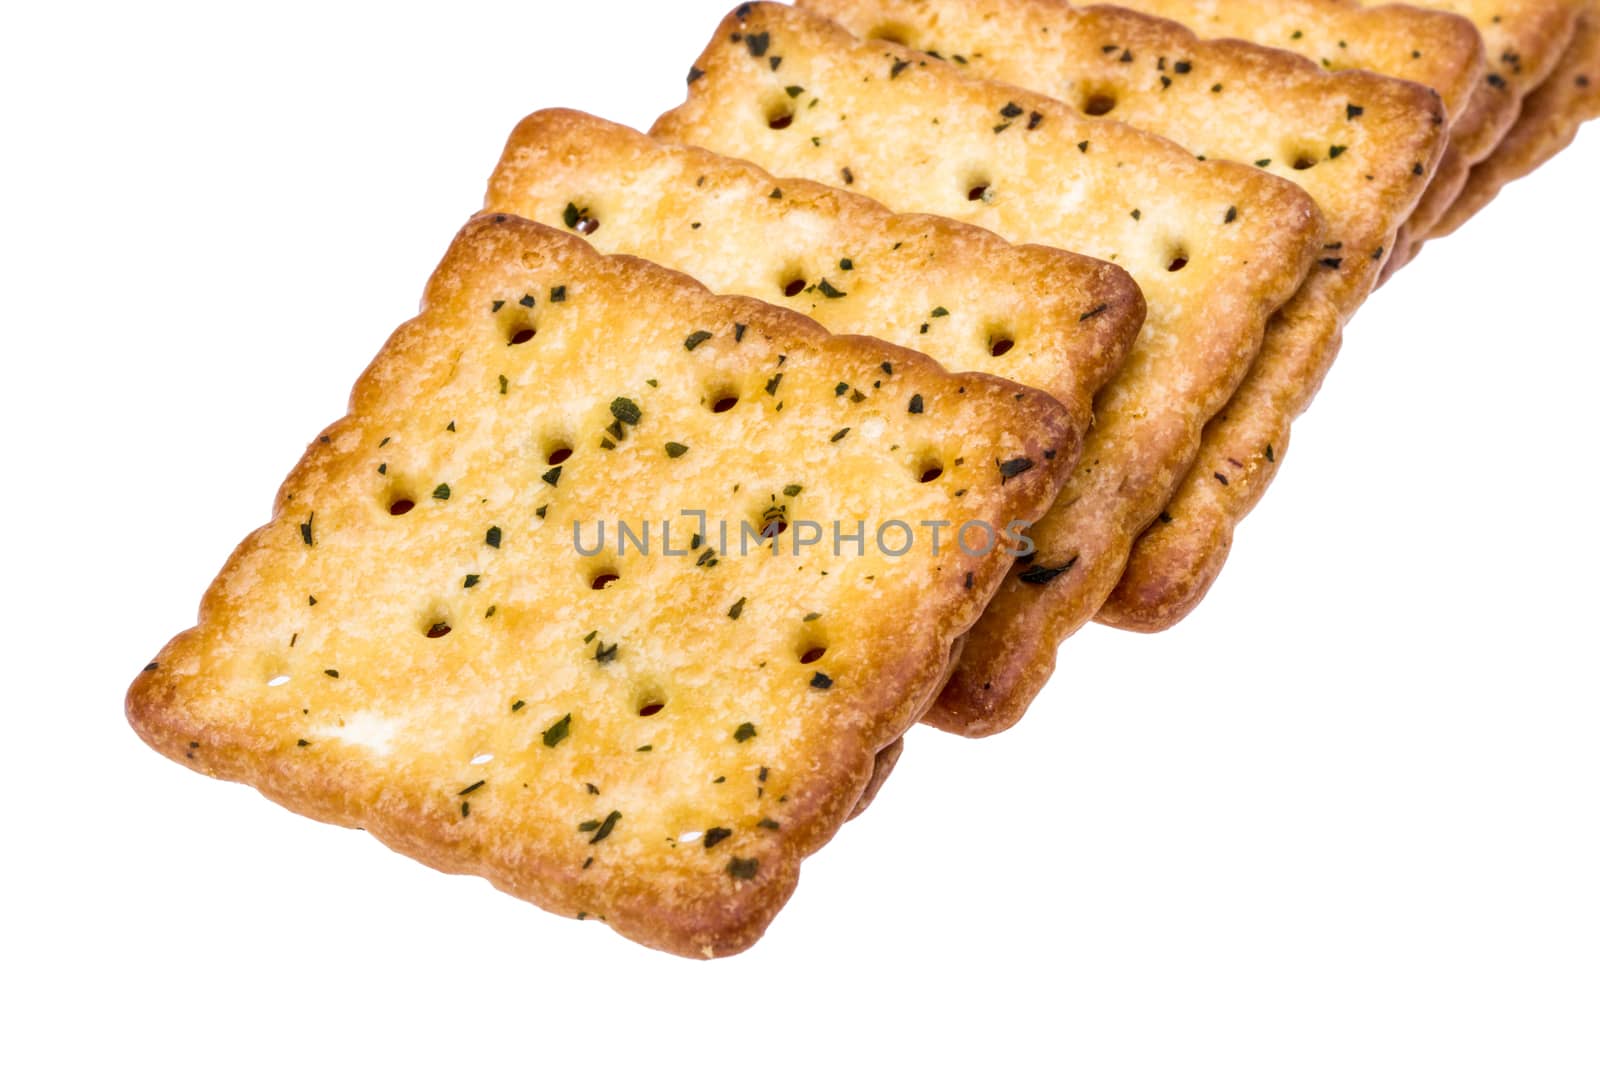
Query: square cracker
<point x="1524" y="40"/>
<point x="943" y="288"/>
<point x="1438" y="49"/>
<point x="1549" y="121"/>
<point x="414" y="645"/>
<point x="1361" y="144"/>
<point x="1443" y="51"/>
<point x="1217" y="248"/>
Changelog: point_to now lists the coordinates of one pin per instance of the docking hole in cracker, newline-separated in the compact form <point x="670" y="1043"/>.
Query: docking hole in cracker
<point x="445" y="636"/>
<point x="909" y="130"/>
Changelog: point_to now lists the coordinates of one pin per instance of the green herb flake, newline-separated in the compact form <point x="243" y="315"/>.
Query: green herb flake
<point x="898" y="68"/>
<point x="773" y="383"/>
<point x="696" y="339"/>
<point x="558" y="295"/>
<point x="496" y="306"/>
<point x="441" y="491"/>
<point x="821" y="681"/>
<point x="492" y="538"/>
<point x="738" y="331"/>
<point x="518" y="705"/>
<point x="527" y="300"/>
<point x="769" y="824"/>
<point x="745" y="732"/>
<point x="840" y="436"/>
<point x="305" y="529"/>
<point x="716" y="835"/>
<point x="847" y="264"/>
<point x="1337" y="150"/>
<point x="504" y="381"/>
<point x="626" y="410"/>
<point x="827" y="290"/>
<point x="794" y="90"/>
<point x="792" y="490"/>
<point x="469" y="581"/>
<point x="606" y="827"/>
<point x="557" y="731"/>
<point x="743" y="869"/>
<point x="552" y="476"/>
<point x="675" y="450"/>
<point x="915" y="407"/>
<point x="737" y="609"/>
<point x="1011" y="468"/>
<point x="757" y="43"/>
<point x="1353" y="111"/>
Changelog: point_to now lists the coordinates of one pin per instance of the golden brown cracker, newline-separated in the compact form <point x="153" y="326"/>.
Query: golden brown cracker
<point x="1482" y="82"/>
<point x="1549" y="121"/>
<point x="1442" y="51"/>
<point x="416" y="644"/>
<point x="940" y="287"/>
<point x="1361" y="144"/>
<point x="1217" y="247"/>
<point x="1523" y="39"/>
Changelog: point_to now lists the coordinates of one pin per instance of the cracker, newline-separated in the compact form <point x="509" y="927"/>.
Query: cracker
<point x="1434" y="48"/>
<point x="1361" y="144"/>
<point x="1549" y="121"/>
<point x="1522" y="40"/>
<point x="413" y="645"/>
<point x="910" y="131"/>
<point x="941" y="287"/>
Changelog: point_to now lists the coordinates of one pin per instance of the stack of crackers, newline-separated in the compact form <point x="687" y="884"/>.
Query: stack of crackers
<point x="923" y="333"/>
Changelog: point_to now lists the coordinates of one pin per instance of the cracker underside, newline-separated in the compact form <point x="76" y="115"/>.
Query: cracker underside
<point x="1217" y="248"/>
<point x="415" y="645"/>
<point x="1362" y="145"/>
<point x="941" y="287"/>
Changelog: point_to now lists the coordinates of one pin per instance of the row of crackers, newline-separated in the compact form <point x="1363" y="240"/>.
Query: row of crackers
<point x="1129" y="248"/>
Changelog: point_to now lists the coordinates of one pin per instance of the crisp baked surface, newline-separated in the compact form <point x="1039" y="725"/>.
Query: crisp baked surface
<point x="1437" y="49"/>
<point x="1549" y="121"/>
<point x="1523" y="39"/>
<point x="1520" y="40"/>
<point x="1363" y="145"/>
<point x="911" y="131"/>
<point x="414" y="645"/>
<point x="941" y="287"/>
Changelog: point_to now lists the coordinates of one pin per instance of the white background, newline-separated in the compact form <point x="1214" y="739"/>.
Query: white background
<point x="1348" y="813"/>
